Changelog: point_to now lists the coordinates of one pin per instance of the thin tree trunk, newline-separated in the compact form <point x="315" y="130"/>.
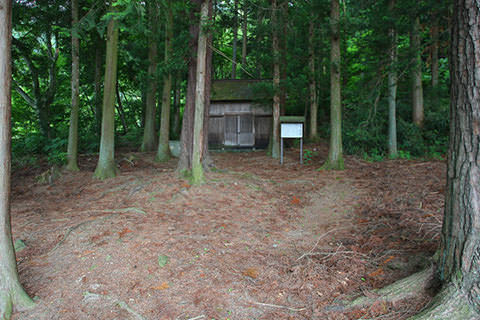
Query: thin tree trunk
<point x="176" y="106"/>
<point x="98" y="81"/>
<point x="417" y="88"/>
<point x="106" y="167"/>
<point x="163" y="153"/>
<point x="198" y="134"/>
<point x="258" y="38"/>
<point x="72" y="150"/>
<point x="275" y="140"/>
<point x="434" y="65"/>
<point x="149" y="131"/>
<point x="120" y="110"/>
<point x="244" y="34"/>
<point x="12" y="293"/>
<point x="335" y="152"/>
<point x="392" y="91"/>
<point x="235" y="36"/>
<point x="313" y="82"/>
<point x="284" y="58"/>
<point x="206" y="160"/>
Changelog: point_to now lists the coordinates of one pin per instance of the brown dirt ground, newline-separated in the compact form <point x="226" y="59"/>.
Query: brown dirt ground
<point x="257" y="241"/>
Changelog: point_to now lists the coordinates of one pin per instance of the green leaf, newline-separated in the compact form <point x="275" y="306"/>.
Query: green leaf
<point x="19" y="245"/>
<point x="162" y="260"/>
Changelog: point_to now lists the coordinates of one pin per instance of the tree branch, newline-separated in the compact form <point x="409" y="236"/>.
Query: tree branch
<point x="33" y="70"/>
<point x="24" y="95"/>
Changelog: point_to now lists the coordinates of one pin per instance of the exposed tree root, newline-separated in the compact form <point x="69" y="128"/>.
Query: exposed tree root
<point x="449" y="304"/>
<point x="408" y="287"/>
<point x="15" y="297"/>
<point x="6" y="306"/>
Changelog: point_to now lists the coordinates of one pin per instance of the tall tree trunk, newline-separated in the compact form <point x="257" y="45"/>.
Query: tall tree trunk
<point x="235" y="36"/>
<point x="11" y="291"/>
<point x="206" y="160"/>
<point x="460" y="245"/>
<point x="106" y="167"/>
<point x="98" y="81"/>
<point x="258" y="38"/>
<point x="435" y="63"/>
<point x="198" y="133"/>
<point x="149" y="131"/>
<point x="186" y="140"/>
<point x="392" y="91"/>
<point x="275" y="140"/>
<point x="335" y="152"/>
<point x="417" y="88"/>
<point x="72" y="150"/>
<point x="458" y="265"/>
<point x="313" y="82"/>
<point x="176" y="106"/>
<point x="163" y="153"/>
<point x="284" y="58"/>
<point x="434" y="53"/>
<point x="244" y="34"/>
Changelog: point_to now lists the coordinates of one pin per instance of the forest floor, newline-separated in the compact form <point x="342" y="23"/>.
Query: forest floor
<point x="258" y="241"/>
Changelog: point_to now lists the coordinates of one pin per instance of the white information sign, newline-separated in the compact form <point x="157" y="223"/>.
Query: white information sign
<point x="291" y="130"/>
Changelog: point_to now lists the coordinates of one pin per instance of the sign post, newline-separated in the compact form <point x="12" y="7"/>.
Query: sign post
<point x="291" y="128"/>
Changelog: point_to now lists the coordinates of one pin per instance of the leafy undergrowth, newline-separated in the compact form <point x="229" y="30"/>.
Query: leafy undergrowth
<point x="257" y="241"/>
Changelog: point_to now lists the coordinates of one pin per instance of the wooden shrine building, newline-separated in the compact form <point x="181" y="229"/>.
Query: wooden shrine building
<point x="240" y="114"/>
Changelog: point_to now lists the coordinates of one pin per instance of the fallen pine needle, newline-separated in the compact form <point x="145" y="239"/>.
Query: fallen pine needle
<point x="316" y="244"/>
<point x="279" y="307"/>
<point x="198" y="318"/>
<point x="88" y="295"/>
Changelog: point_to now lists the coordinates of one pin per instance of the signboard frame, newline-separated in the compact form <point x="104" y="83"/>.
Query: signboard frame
<point x="291" y="130"/>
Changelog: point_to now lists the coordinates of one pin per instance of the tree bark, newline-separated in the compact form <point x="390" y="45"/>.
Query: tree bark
<point x="186" y="140"/>
<point x="284" y="57"/>
<point x="335" y="152"/>
<point x="460" y="245"/>
<point x="435" y="61"/>
<point x="392" y="90"/>
<point x="244" y="34"/>
<point x="106" y="167"/>
<point x="457" y="263"/>
<point x="198" y="134"/>
<point x="417" y="88"/>
<point x="120" y="110"/>
<point x="313" y="82"/>
<point x="72" y="150"/>
<point x="98" y="81"/>
<point x="275" y="140"/>
<point x="163" y="153"/>
<point x="12" y="293"/>
<point x="234" y="41"/>
<point x="176" y="107"/>
<point x="149" y="131"/>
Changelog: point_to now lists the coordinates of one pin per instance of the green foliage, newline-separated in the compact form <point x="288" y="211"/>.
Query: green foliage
<point x="55" y="151"/>
<point x="365" y="41"/>
<point x="308" y="156"/>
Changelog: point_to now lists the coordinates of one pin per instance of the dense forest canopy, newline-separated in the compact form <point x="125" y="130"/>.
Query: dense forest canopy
<point x="242" y="49"/>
